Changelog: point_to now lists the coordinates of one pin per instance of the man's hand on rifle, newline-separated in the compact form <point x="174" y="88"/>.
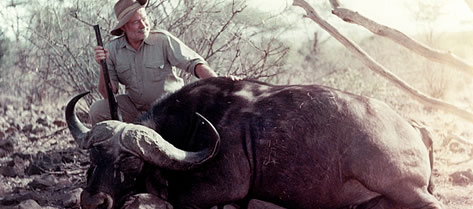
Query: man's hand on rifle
<point x="100" y="54"/>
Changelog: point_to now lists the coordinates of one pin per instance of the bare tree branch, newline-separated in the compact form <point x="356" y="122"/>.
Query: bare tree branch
<point x="379" y="69"/>
<point x="61" y="59"/>
<point x="211" y="51"/>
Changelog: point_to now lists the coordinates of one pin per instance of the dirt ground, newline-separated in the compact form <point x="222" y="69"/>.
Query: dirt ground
<point x="41" y="167"/>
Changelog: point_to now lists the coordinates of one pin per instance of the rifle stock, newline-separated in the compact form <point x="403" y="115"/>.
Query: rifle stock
<point x="112" y="101"/>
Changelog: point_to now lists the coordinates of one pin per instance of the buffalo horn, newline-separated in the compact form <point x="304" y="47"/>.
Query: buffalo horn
<point x="151" y="147"/>
<point x="78" y="130"/>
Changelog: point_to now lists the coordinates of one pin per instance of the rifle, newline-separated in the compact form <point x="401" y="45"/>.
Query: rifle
<point x="112" y="101"/>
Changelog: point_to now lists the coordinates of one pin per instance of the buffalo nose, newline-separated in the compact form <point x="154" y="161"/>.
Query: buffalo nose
<point x="99" y="200"/>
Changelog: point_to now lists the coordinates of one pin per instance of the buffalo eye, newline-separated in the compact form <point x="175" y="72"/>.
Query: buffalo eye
<point x="99" y="155"/>
<point x="119" y="175"/>
<point x="130" y="164"/>
<point x="126" y="171"/>
<point x="122" y="177"/>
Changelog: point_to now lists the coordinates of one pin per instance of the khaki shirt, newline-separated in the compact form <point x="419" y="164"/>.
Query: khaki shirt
<point x="148" y="73"/>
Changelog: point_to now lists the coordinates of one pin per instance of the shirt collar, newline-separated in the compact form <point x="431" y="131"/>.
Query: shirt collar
<point x="123" y="43"/>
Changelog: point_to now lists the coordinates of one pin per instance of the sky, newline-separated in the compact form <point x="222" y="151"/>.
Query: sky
<point x="399" y="14"/>
<point x="454" y="15"/>
<point x="7" y="19"/>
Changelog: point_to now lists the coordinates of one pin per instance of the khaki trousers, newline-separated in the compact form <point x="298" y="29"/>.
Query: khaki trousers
<point x="100" y="111"/>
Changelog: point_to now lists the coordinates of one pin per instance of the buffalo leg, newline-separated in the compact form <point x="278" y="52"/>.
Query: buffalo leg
<point x="409" y="196"/>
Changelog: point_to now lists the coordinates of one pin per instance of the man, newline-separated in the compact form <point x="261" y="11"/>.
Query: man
<point x="144" y="62"/>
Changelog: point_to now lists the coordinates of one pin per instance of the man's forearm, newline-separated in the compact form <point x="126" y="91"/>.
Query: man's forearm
<point x="204" y="71"/>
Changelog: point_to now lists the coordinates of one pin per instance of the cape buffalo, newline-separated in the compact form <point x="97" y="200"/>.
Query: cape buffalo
<point x="218" y="141"/>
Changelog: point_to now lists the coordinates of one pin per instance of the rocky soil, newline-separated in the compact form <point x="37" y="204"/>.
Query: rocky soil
<point x="41" y="167"/>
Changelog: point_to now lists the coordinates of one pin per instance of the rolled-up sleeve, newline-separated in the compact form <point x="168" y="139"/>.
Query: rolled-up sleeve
<point x="180" y="55"/>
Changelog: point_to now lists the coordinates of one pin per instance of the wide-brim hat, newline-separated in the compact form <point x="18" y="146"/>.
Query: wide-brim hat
<point x="124" y="9"/>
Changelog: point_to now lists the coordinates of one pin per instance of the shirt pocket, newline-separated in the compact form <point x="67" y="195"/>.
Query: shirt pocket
<point x="125" y="74"/>
<point x="155" y="70"/>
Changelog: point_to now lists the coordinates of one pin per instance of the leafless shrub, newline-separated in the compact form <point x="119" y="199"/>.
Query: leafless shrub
<point x="60" y="40"/>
